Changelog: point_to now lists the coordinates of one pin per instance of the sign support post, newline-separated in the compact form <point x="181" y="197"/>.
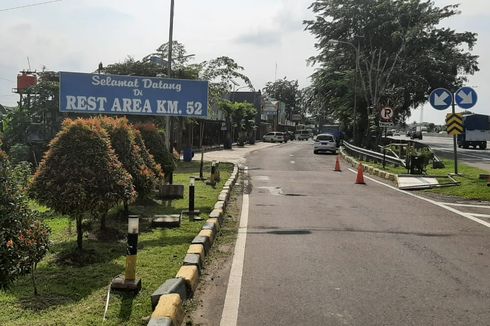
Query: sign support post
<point x="465" y="98"/>
<point x="455" y="140"/>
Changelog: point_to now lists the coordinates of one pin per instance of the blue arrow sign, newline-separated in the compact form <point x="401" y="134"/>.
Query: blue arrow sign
<point x="466" y="97"/>
<point x="441" y="99"/>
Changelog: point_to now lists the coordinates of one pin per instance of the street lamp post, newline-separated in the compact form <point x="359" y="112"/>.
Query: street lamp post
<point x="357" y="50"/>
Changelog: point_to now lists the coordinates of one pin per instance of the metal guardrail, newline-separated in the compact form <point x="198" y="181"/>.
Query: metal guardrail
<point x="366" y="154"/>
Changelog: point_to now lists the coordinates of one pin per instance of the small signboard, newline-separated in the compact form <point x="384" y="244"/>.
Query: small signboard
<point x="386" y="114"/>
<point x="115" y="94"/>
<point x="386" y="124"/>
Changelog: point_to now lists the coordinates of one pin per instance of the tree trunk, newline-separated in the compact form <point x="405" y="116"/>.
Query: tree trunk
<point x="103" y="224"/>
<point x="79" y="232"/>
<point x="33" y="278"/>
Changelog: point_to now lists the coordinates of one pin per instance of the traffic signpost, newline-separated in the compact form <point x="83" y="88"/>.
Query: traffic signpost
<point x="442" y="99"/>
<point x="386" y="120"/>
<point x="454" y="124"/>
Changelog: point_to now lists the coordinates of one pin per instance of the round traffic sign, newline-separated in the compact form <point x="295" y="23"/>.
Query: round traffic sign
<point x="387" y="113"/>
<point x="441" y="99"/>
<point x="466" y="97"/>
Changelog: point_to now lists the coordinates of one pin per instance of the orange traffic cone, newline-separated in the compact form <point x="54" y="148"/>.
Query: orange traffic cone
<point x="337" y="165"/>
<point x="360" y="175"/>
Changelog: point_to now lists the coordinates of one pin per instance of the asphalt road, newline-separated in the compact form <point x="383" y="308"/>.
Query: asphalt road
<point x="321" y="250"/>
<point x="443" y="147"/>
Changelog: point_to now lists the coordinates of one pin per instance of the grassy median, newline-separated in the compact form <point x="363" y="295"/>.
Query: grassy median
<point x="73" y="288"/>
<point x="471" y="186"/>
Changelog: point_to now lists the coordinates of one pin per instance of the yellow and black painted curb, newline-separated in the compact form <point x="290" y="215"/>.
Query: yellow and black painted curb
<point x="169" y="310"/>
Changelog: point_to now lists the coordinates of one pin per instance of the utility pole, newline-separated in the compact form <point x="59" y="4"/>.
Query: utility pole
<point x="168" y="124"/>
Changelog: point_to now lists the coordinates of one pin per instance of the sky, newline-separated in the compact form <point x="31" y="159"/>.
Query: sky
<point x="266" y="37"/>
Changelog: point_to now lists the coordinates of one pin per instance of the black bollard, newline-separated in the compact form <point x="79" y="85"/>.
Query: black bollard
<point x="192" y="212"/>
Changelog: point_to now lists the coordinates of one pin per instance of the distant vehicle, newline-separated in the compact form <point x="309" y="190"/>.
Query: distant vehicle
<point x="389" y="133"/>
<point x="274" y="136"/>
<point x="476" y="131"/>
<point x="325" y="143"/>
<point x="416" y="134"/>
<point x="396" y="133"/>
<point x="303" y="134"/>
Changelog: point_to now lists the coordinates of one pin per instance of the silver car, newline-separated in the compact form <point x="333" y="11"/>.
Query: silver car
<point x="275" y="136"/>
<point x="325" y="143"/>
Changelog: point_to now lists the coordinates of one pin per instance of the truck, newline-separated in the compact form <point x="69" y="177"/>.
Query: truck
<point x="476" y="131"/>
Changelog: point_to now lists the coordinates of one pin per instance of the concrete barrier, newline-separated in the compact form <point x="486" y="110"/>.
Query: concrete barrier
<point x="193" y="260"/>
<point x="197" y="249"/>
<point x="190" y="274"/>
<point x="207" y="233"/>
<point x="204" y="241"/>
<point x="169" y="307"/>
<point x="172" y="285"/>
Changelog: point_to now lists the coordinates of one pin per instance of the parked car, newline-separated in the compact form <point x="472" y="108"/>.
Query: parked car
<point x="274" y="136"/>
<point x="303" y="135"/>
<point x="325" y="143"/>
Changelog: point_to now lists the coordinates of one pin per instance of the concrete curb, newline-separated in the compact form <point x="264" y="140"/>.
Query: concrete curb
<point x="168" y="310"/>
<point x="370" y="169"/>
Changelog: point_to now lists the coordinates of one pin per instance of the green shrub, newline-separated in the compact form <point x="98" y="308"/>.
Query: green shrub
<point x="24" y="239"/>
<point x="81" y="173"/>
<point x="123" y="140"/>
<point x="20" y="152"/>
<point x="147" y="157"/>
<point x="155" y="142"/>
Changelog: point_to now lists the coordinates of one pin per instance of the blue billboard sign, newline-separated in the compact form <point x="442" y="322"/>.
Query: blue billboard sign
<point x="115" y="94"/>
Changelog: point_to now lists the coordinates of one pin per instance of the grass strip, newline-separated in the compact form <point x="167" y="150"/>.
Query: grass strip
<point x="72" y="294"/>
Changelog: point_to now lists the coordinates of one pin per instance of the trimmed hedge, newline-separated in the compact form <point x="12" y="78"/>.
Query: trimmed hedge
<point x="81" y="173"/>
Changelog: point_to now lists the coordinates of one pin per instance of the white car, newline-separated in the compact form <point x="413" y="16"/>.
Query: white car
<point x="302" y="135"/>
<point x="325" y="143"/>
<point x="275" y="136"/>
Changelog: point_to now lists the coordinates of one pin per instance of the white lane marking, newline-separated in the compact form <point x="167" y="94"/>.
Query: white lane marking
<point x="232" y="298"/>
<point x="480" y="215"/>
<point x="292" y="155"/>
<point x="275" y="191"/>
<point x="261" y="178"/>
<point x="467" y="215"/>
<point x="292" y="162"/>
<point x="467" y="205"/>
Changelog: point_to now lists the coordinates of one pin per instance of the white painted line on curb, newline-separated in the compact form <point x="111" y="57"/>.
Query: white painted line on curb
<point x="467" y="215"/>
<point x="232" y="298"/>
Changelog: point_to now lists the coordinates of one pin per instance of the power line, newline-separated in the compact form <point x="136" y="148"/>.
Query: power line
<point x="30" y="5"/>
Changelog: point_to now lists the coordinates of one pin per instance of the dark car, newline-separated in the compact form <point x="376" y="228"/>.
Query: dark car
<point x="417" y="134"/>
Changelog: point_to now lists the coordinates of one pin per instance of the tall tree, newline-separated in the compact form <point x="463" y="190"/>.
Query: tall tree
<point x="286" y="91"/>
<point x="396" y="48"/>
<point x="223" y="74"/>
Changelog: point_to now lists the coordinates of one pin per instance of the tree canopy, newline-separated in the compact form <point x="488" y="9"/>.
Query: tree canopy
<point x="286" y="91"/>
<point x="402" y="51"/>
